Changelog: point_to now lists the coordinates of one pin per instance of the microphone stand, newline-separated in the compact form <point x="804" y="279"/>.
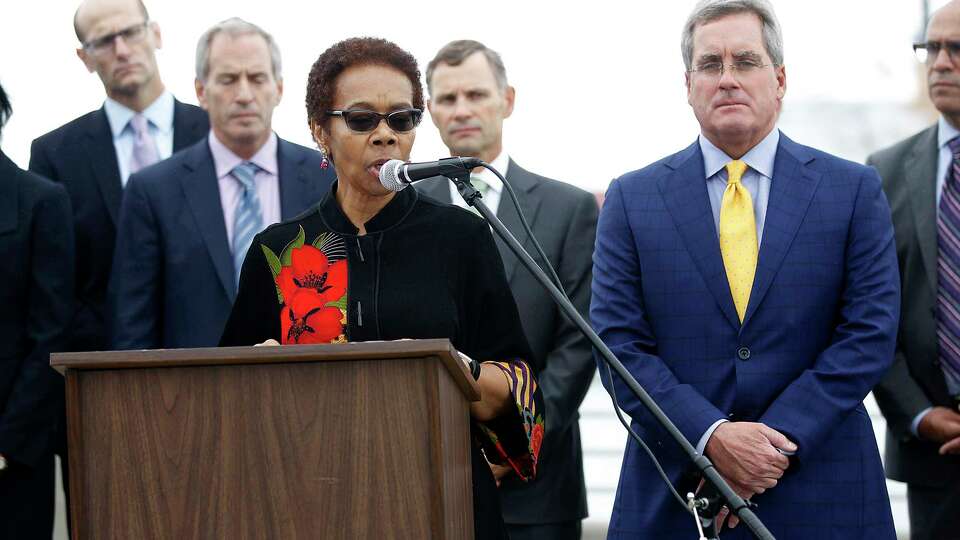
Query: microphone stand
<point x="735" y="503"/>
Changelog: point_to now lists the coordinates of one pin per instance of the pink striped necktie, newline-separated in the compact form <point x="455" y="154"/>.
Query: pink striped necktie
<point x="948" y="269"/>
<point x="144" y="151"/>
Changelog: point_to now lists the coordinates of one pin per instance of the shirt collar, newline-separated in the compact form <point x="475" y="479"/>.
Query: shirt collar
<point x="224" y="160"/>
<point x="500" y="163"/>
<point x="760" y="158"/>
<point x="159" y="113"/>
<point x="394" y="213"/>
<point x="945" y="132"/>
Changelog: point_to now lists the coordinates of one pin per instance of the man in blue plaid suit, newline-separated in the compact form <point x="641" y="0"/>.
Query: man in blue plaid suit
<point x="750" y="284"/>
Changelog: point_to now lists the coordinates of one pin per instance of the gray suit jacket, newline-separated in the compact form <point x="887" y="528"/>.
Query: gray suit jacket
<point x="564" y="220"/>
<point x="915" y="381"/>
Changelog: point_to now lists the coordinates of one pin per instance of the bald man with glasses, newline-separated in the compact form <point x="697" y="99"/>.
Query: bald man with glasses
<point x="139" y="124"/>
<point x="920" y="394"/>
<point x="92" y="156"/>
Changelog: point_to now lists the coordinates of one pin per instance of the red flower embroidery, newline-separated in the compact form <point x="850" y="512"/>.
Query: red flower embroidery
<point x="304" y="319"/>
<point x="310" y="269"/>
<point x="536" y="439"/>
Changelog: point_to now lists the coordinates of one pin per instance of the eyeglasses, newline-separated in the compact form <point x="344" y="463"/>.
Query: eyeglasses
<point x="131" y="35"/>
<point x="714" y="70"/>
<point x="929" y="51"/>
<point x="362" y="121"/>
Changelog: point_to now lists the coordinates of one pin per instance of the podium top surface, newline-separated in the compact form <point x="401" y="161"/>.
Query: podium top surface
<point x="281" y="354"/>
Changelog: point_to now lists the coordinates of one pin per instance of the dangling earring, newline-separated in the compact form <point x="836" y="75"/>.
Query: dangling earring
<point x="324" y="163"/>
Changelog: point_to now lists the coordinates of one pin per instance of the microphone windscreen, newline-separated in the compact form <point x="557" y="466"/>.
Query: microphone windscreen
<point x="390" y="175"/>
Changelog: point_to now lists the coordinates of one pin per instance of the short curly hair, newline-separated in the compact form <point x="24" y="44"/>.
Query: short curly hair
<point x="321" y="84"/>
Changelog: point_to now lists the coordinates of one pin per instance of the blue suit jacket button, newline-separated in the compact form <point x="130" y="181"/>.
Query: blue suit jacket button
<point x="743" y="353"/>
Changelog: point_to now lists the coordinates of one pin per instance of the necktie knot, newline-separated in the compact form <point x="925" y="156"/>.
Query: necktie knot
<point x="245" y="173"/>
<point x="144" y="151"/>
<point x="735" y="170"/>
<point x="138" y="123"/>
<point x="954" y="145"/>
<point x="478" y="182"/>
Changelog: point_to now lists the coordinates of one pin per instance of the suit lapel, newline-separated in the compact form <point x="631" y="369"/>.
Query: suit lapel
<point x="684" y="192"/>
<point x="98" y="146"/>
<point x="9" y="201"/>
<point x="523" y="183"/>
<point x="920" y="173"/>
<point x="293" y="181"/>
<point x="791" y="192"/>
<point x="437" y="188"/>
<point x="199" y="184"/>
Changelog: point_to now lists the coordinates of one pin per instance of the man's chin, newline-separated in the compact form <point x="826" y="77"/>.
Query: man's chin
<point x="126" y="87"/>
<point x="464" y="149"/>
<point x="245" y="137"/>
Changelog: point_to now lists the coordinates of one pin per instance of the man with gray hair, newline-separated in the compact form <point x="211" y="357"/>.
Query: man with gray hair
<point x="469" y="100"/>
<point x="186" y="223"/>
<point x="750" y="284"/>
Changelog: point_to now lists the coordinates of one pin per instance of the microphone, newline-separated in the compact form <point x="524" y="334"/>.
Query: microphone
<point x="396" y="175"/>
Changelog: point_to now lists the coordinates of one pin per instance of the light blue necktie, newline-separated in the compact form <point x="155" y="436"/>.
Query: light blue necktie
<point x="248" y="220"/>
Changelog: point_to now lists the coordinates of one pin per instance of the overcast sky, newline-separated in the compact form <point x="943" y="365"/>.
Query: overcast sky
<point x="599" y="84"/>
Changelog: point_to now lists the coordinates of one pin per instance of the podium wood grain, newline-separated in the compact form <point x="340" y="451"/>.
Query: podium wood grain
<point x="320" y="447"/>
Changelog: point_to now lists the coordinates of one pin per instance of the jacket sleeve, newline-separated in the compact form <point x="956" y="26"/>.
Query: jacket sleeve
<point x="31" y="408"/>
<point x="569" y="367"/>
<point x="619" y="317"/>
<point x="898" y="394"/>
<point x="135" y="291"/>
<point x="40" y="163"/>
<point x="862" y="347"/>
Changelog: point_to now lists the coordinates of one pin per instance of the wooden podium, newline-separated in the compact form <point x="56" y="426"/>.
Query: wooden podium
<point x="352" y="441"/>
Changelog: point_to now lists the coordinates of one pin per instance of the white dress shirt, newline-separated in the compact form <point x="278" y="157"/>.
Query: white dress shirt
<point x="159" y="116"/>
<point x="492" y="197"/>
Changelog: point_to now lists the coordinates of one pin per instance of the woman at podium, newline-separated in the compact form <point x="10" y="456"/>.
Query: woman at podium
<point x="370" y="264"/>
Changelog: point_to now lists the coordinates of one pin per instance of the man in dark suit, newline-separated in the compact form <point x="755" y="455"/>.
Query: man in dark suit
<point x="93" y="155"/>
<point x="750" y="284"/>
<point x="920" y="393"/>
<point x="469" y="99"/>
<point x="36" y="245"/>
<point x="187" y="222"/>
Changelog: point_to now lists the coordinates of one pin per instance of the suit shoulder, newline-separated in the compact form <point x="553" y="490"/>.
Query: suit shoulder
<point x="560" y="190"/>
<point x="160" y="173"/>
<point x="191" y="109"/>
<point x="447" y="213"/>
<point x="36" y="188"/>
<point x="300" y="149"/>
<point x="300" y="153"/>
<point x="839" y="171"/>
<point x="68" y="131"/>
<point x="646" y="175"/>
<point x="895" y="153"/>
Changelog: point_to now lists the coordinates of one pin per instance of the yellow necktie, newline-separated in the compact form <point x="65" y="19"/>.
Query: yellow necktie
<point x="738" y="237"/>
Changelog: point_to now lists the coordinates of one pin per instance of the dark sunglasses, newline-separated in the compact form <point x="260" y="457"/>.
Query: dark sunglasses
<point x="362" y="121"/>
